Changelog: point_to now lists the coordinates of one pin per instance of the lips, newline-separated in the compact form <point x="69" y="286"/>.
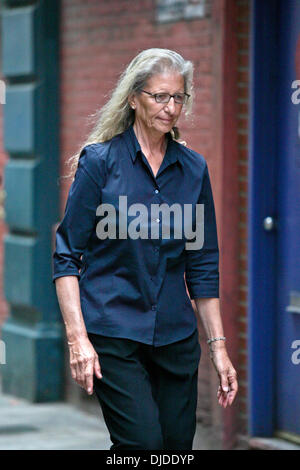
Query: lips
<point x="166" y="120"/>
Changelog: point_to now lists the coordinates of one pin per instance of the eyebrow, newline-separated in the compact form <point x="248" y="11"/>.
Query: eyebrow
<point x="180" y="92"/>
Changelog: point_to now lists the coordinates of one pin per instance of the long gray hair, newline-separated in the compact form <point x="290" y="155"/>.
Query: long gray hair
<point x="117" y="115"/>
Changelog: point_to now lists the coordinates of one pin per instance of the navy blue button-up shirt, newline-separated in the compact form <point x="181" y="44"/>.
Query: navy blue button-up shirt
<point x="133" y="287"/>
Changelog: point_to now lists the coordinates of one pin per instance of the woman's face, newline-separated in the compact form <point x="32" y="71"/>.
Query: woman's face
<point x="159" y="116"/>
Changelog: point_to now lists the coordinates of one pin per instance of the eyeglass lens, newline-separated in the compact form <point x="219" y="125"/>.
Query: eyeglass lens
<point x="165" y="98"/>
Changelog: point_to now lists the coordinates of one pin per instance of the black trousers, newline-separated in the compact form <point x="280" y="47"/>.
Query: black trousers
<point x="148" y="394"/>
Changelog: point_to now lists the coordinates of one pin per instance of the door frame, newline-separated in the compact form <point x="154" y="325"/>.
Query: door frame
<point x="262" y="203"/>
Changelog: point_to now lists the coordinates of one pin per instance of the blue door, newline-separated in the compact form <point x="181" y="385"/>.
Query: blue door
<point x="274" y="220"/>
<point x="287" y="336"/>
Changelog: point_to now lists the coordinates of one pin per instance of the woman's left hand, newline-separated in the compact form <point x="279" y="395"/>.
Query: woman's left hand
<point x="227" y="374"/>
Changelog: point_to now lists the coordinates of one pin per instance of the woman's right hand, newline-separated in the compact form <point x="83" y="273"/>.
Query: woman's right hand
<point x="84" y="362"/>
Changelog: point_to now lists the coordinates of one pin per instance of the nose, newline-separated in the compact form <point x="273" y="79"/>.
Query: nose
<point x="171" y="105"/>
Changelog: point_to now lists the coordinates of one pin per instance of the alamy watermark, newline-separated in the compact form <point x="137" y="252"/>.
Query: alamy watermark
<point x="295" y="97"/>
<point x="2" y="352"/>
<point x="296" y="354"/>
<point x="2" y="92"/>
<point x="160" y="214"/>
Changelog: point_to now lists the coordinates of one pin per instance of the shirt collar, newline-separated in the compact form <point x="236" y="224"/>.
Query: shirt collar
<point x="173" y="153"/>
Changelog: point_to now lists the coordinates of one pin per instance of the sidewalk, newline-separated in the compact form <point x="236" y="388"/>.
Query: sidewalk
<point x="60" y="426"/>
<point x="49" y="426"/>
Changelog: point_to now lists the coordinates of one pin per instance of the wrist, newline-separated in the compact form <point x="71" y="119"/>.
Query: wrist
<point x="73" y="336"/>
<point x="217" y="344"/>
<point x="216" y="339"/>
<point x="216" y="348"/>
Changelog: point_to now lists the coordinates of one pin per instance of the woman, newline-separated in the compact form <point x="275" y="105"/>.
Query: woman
<point x="131" y="328"/>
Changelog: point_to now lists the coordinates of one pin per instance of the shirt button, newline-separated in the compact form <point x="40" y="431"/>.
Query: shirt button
<point x="153" y="307"/>
<point x="156" y="191"/>
<point x="157" y="220"/>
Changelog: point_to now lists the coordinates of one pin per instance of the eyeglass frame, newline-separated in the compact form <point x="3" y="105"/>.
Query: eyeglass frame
<point x="187" y="96"/>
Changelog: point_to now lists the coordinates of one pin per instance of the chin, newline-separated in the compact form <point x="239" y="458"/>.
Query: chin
<point x="165" y="126"/>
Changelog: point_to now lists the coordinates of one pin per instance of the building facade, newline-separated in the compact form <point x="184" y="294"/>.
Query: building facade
<point x="60" y="60"/>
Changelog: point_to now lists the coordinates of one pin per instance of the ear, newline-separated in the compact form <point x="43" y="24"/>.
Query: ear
<point x="131" y="101"/>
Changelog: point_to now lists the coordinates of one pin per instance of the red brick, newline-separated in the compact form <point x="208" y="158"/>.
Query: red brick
<point x="242" y="139"/>
<point x="243" y="108"/>
<point x="243" y="76"/>
<point x="243" y="91"/>
<point x="243" y="60"/>
<point x="243" y="11"/>
<point x="242" y="26"/>
<point x="243" y="123"/>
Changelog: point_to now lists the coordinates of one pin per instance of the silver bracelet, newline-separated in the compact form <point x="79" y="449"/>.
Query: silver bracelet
<point x="216" y="339"/>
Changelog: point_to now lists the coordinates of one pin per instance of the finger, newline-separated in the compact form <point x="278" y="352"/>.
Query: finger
<point x="97" y="368"/>
<point x="222" y="400"/>
<point x="73" y="368"/>
<point x="78" y="377"/>
<point x="224" y="383"/>
<point x="219" y="392"/>
<point x="233" y="390"/>
<point x="226" y="401"/>
<point x="221" y="397"/>
<point x="77" y="371"/>
<point x="89" y="377"/>
<point x="80" y="371"/>
<point x="73" y="363"/>
<point x="232" y="379"/>
<point x="232" y="396"/>
<point x="234" y="385"/>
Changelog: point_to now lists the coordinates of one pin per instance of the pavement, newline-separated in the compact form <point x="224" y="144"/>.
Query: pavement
<point x="61" y="426"/>
<point x="49" y="426"/>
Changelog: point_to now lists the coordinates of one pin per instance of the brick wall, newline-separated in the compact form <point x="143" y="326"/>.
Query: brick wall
<point x="98" y="39"/>
<point x="243" y="22"/>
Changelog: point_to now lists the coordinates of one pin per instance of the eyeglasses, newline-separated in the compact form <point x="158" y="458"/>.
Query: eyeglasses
<point x="180" y="98"/>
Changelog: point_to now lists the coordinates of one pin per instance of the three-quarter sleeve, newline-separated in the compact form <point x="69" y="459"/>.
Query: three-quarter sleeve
<point x="79" y="218"/>
<point x="202" y="265"/>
